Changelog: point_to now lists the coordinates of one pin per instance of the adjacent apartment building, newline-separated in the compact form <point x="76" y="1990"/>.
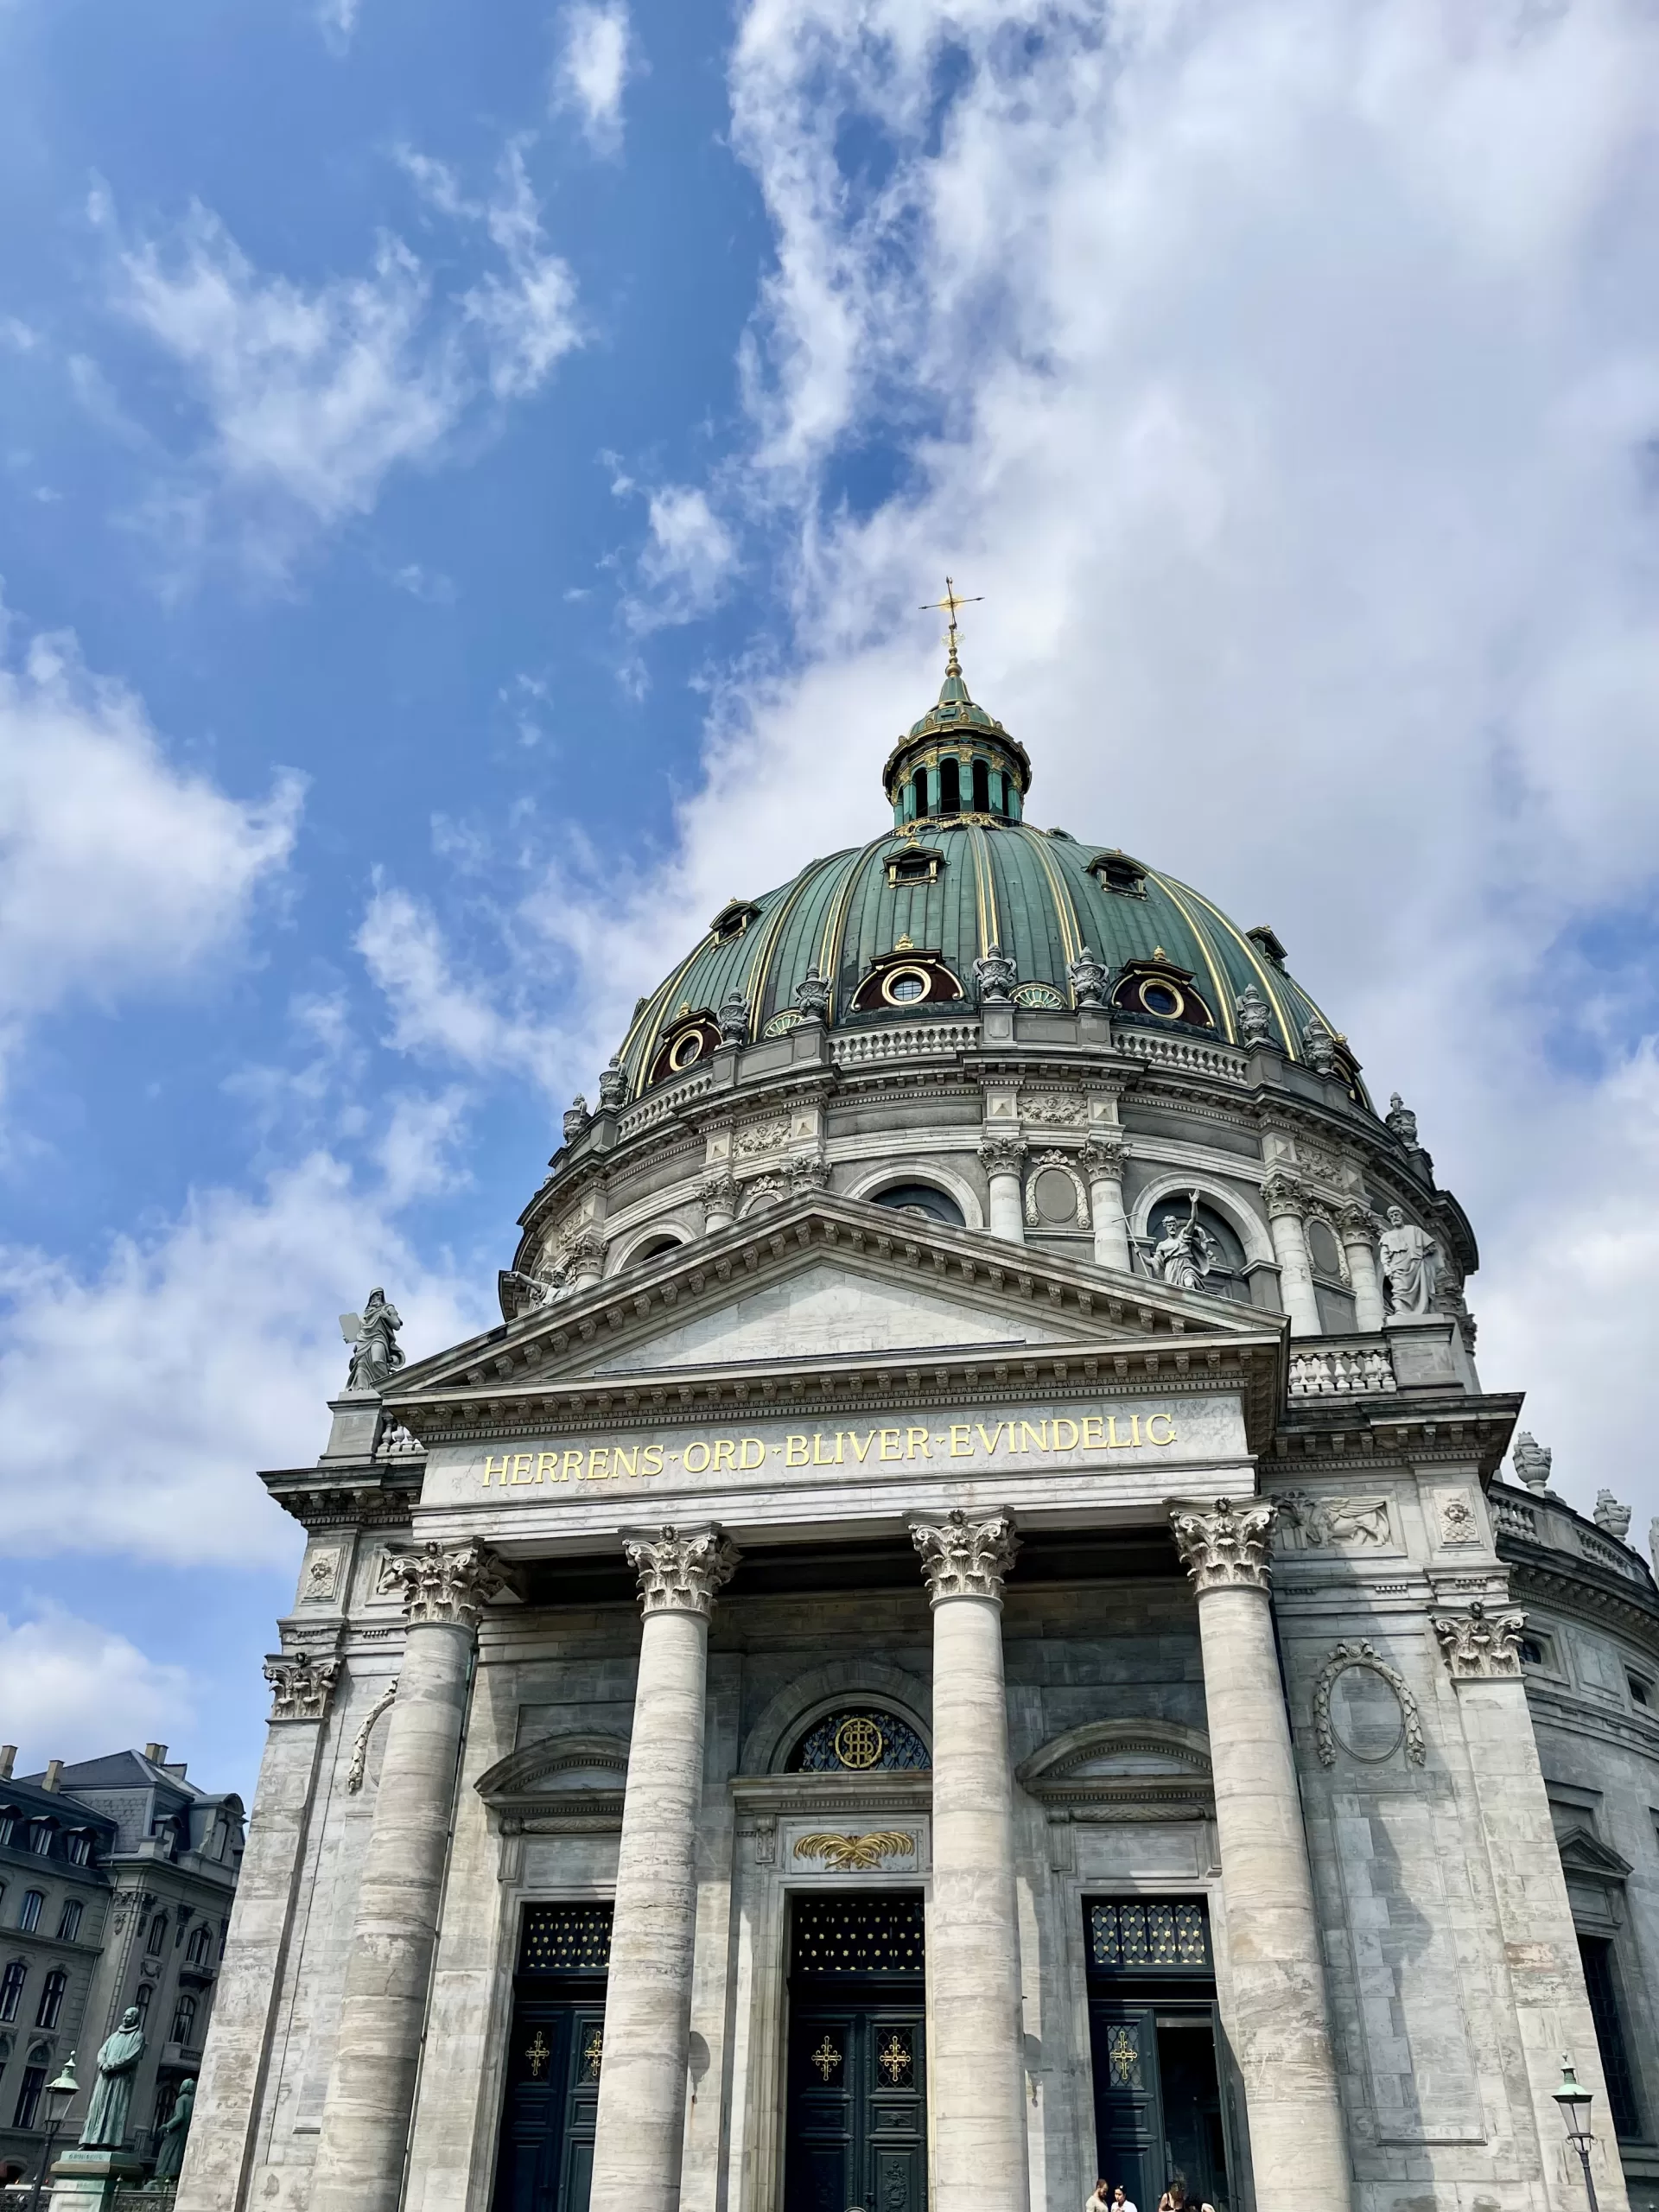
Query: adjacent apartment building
<point x="116" y="1881"/>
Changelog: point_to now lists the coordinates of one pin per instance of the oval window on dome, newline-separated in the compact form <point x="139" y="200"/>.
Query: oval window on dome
<point x="685" y="1050"/>
<point x="904" y="986"/>
<point x="1162" y="998"/>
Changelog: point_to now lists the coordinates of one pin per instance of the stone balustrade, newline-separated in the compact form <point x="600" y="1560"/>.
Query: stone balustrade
<point x="1349" y="1367"/>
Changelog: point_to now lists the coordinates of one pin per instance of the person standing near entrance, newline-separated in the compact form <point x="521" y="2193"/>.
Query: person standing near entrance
<point x="1099" y="2199"/>
<point x="1120" y="2199"/>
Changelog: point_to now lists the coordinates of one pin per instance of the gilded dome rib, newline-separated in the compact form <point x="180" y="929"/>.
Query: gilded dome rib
<point x="1290" y="1031"/>
<point x="835" y="926"/>
<point x="1222" y="988"/>
<point x="1065" y="912"/>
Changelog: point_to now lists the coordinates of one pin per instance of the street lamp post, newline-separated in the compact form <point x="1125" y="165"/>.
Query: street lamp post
<point x="1574" y="2102"/>
<point x="60" y="2095"/>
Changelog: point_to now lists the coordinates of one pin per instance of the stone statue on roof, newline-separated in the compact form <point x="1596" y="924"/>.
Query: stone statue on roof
<point x="372" y="1335"/>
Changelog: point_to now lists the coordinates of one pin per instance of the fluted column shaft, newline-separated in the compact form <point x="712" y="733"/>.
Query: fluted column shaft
<point x="641" y="2121"/>
<point x="1104" y="1163"/>
<point x="1289" y="1234"/>
<point x="1001" y="1158"/>
<point x="975" y="2061"/>
<point x="366" y="2113"/>
<point x="1277" y="2018"/>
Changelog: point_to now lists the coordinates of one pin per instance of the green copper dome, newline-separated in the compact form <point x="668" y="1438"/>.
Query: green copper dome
<point x="950" y="883"/>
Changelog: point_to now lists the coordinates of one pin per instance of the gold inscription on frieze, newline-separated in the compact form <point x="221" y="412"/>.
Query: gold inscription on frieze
<point x="841" y="1447"/>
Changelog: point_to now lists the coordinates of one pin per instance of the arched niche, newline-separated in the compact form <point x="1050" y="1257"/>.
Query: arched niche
<point x="657" y="1240"/>
<point x="577" y="1777"/>
<point x="818" y="1691"/>
<point x="1250" y="1230"/>
<point x="867" y="1181"/>
<point x="1122" y="1769"/>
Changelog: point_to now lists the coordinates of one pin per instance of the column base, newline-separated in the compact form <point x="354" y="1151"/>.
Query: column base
<point x="86" y="2181"/>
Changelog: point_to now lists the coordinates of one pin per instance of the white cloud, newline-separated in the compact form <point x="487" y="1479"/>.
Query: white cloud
<point x="314" y="395"/>
<point x="437" y="1013"/>
<point x="415" y="1150"/>
<point x="136" y="1401"/>
<point x="338" y="20"/>
<point x="593" y="67"/>
<point x="1286" y="376"/>
<point x="70" y="1688"/>
<point x="688" y="558"/>
<point x="118" y="872"/>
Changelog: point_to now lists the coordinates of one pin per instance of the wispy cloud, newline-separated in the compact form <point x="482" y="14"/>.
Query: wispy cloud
<point x="687" y="561"/>
<point x="119" y="872"/>
<point x="73" y="1688"/>
<point x="595" y="60"/>
<point x="311" y="396"/>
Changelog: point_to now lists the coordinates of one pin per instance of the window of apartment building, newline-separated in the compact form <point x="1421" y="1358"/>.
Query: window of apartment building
<point x="29" y="2096"/>
<point x="8" y="1827"/>
<point x="69" y="1921"/>
<point x="1601" y="1982"/>
<point x="11" y="1988"/>
<point x="40" y="1838"/>
<point x="52" y="1999"/>
<point x="157" y="1935"/>
<point x="28" y="1915"/>
<point x="184" y="2018"/>
<point x="198" y="1951"/>
<point x="79" y="1848"/>
<point x="140" y="1997"/>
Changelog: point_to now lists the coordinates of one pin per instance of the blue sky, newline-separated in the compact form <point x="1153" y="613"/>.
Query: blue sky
<point x="466" y="483"/>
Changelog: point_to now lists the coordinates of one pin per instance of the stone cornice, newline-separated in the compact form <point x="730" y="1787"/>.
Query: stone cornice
<point x="1590" y="1593"/>
<point x="381" y="1496"/>
<point x="778" y="1795"/>
<point x="1354" y="1435"/>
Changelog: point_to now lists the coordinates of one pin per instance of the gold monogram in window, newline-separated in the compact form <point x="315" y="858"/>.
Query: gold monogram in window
<point x="859" y="1742"/>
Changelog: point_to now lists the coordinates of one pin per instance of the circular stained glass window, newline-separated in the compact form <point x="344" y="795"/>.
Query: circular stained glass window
<point x="1161" y="998"/>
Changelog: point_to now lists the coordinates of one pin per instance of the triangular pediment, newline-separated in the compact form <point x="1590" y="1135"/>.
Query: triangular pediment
<point x="824" y="1281"/>
<point x="1586" y="1854"/>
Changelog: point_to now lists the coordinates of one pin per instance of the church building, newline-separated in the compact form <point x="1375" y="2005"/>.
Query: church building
<point x="964" y="1634"/>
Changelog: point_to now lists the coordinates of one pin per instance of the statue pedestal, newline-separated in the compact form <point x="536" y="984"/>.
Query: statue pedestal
<point x="1428" y="1353"/>
<point x="85" y="2180"/>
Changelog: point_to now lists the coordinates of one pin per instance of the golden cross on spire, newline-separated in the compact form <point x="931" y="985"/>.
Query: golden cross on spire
<point x="952" y="599"/>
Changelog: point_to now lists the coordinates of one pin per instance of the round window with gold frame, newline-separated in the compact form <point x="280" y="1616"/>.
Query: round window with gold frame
<point x="905" y="986"/>
<point x="686" y="1050"/>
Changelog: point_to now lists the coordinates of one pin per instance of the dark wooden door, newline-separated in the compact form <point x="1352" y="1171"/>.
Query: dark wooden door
<point x="1128" y="2113"/>
<point x="546" y="2159"/>
<point x="857" y="2124"/>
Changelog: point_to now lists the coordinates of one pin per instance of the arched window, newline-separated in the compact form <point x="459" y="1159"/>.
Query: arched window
<point x="981" y="788"/>
<point x="859" y="1739"/>
<point x="11" y="1988"/>
<point x="140" y="1997"/>
<point x="919" y="792"/>
<point x="157" y="1939"/>
<point x="199" y="1946"/>
<point x="52" y="1999"/>
<point x="1190" y="1246"/>
<point x="184" y="2018"/>
<point x="654" y="1248"/>
<point x="921" y="1197"/>
<point x="949" y="787"/>
<point x="28" y="1913"/>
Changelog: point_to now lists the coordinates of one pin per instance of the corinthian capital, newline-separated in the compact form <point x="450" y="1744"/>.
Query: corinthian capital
<point x="962" y="1557"/>
<point x="450" y="1587"/>
<point x="1001" y="1155"/>
<point x="1356" y="1221"/>
<point x="1476" y="1645"/>
<point x="1227" y="1548"/>
<point x="681" y="1575"/>
<point x="1284" y="1195"/>
<point x="1103" y="1157"/>
<point x="301" y="1686"/>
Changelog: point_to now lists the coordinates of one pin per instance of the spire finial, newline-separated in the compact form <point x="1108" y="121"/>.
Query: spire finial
<point x="952" y="599"/>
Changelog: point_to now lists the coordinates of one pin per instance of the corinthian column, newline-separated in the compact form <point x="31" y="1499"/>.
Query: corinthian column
<point x="1102" y="1160"/>
<point x="1289" y="1234"/>
<point x="1358" y="1230"/>
<point x="1001" y="1158"/>
<point x="365" y="2114"/>
<point x="976" y="2065"/>
<point x="1277" y="2018"/>
<point x="641" y="2121"/>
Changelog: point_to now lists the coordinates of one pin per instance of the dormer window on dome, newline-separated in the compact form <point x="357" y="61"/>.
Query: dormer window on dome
<point x="1161" y="991"/>
<point x="1115" y="871"/>
<point x="915" y="864"/>
<point x="904" y="978"/>
<point x="733" y="919"/>
<point x="957" y="764"/>
<point x="692" y="1038"/>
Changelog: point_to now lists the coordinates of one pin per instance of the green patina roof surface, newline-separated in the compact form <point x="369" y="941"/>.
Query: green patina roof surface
<point x="1025" y="889"/>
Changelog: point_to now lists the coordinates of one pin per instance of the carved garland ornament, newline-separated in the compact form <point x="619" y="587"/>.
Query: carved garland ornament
<point x="301" y="1685"/>
<point x="681" y="1575"/>
<point x="1479" y="1645"/>
<point x="965" y="1559"/>
<point x="1362" y="1655"/>
<point x="1228" y="1548"/>
<point x="355" y="1772"/>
